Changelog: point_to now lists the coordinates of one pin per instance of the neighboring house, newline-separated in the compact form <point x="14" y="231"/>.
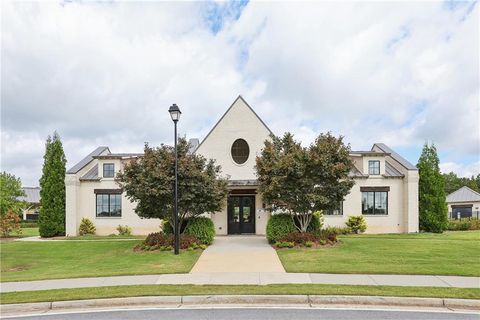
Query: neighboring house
<point x="463" y="203"/>
<point x="385" y="192"/>
<point x="31" y="201"/>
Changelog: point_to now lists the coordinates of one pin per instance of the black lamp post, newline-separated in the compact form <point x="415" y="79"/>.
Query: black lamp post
<point x="175" y="114"/>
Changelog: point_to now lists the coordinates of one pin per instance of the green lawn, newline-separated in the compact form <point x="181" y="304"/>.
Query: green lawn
<point x="27" y="232"/>
<point x="71" y="259"/>
<point x="277" y="289"/>
<point x="451" y="253"/>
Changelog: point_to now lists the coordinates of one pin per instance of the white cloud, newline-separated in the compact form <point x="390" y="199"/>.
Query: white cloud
<point x="472" y="169"/>
<point x="105" y="73"/>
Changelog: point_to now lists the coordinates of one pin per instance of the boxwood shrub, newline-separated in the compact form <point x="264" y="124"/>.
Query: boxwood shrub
<point x="278" y="226"/>
<point x="202" y="228"/>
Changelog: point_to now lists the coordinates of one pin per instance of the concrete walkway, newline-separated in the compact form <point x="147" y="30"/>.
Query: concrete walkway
<point x="251" y="254"/>
<point x="252" y="278"/>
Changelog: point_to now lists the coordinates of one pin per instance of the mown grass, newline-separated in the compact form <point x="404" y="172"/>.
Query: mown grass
<point x="450" y="253"/>
<point x="21" y="261"/>
<point x="279" y="289"/>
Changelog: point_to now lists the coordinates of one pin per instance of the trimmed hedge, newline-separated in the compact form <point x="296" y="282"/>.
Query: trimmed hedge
<point x="464" y="224"/>
<point x="202" y="228"/>
<point x="278" y="226"/>
<point x="159" y="240"/>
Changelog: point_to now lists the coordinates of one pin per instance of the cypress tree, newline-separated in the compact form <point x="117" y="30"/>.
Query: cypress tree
<point x="52" y="193"/>
<point x="431" y="190"/>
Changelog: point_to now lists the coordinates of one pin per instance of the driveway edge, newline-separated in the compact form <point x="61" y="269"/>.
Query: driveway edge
<point x="238" y="300"/>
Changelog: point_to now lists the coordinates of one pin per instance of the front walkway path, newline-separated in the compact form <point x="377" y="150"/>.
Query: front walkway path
<point x="242" y="278"/>
<point x="239" y="254"/>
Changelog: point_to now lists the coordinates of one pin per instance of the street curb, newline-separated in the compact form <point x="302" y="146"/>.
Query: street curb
<point x="258" y="300"/>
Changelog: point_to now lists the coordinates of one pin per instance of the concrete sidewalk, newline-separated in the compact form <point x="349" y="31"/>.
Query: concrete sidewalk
<point x="239" y="254"/>
<point x="242" y="278"/>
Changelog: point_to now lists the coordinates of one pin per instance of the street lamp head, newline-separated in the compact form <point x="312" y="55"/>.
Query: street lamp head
<point x="174" y="112"/>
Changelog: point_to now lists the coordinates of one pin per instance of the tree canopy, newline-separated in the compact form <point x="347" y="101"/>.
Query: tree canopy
<point x="10" y="190"/>
<point x="431" y="192"/>
<point x="52" y="189"/>
<point x="301" y="180"/>
<point x="150" y="181"/>
<point x="454" y="182"/>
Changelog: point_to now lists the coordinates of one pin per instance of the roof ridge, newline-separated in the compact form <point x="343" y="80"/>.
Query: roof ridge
<point x="226" y="112"/>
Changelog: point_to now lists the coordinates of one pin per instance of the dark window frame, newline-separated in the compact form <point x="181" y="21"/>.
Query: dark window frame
<point x="108" y="204"/>
<point x="330" y="212"/>
<point x="240" y="155"/>
<point x="112" y="171"/>
<point x="367" y="211"/>
<point x="374" y="170"/>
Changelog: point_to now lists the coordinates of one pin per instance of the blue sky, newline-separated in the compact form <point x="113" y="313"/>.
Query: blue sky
<point x="104" y="73"/>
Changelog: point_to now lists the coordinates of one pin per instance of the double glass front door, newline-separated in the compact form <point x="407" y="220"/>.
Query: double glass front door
<point x="241" y="214"/>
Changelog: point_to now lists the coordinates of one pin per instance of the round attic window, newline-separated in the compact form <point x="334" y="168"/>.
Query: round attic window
<point x="240" y="151"/>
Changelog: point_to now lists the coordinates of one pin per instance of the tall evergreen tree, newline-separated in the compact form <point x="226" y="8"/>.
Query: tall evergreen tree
<point x="52" y="189"/>
<point x="431" y="190"/>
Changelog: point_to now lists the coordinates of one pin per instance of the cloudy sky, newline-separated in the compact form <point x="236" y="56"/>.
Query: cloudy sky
<point x="105" y="73"/>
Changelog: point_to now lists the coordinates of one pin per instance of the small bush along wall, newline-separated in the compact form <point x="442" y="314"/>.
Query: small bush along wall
<point x="202" y="228"/>
<point x="124" y="230"/>
<point x="278" y="226"/>
<point x="86" y="227"/>
<point x="357" y="224"/>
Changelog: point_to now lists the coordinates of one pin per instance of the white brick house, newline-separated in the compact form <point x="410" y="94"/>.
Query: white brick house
<point x="385" y="190"/>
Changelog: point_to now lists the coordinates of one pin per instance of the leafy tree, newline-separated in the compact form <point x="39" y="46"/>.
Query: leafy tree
<point x="150" y="181"/>
<point x="431" y="189"/>
<point x="299" y="180"/>
<point x="52" y="189"/>
<point x="10" y="222"/>
<point x="10" y="190"/>
<point x="454" y="182"/>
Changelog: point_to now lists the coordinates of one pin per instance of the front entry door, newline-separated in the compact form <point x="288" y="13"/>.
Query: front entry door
<point x="241" y="214"/>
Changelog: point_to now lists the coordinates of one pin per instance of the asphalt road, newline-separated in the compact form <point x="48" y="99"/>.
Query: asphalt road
<point x="257" y="313"/>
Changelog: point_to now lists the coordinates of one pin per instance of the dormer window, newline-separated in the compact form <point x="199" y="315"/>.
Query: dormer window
<point x="374" y="167"/>
<point x="108" y="170"/>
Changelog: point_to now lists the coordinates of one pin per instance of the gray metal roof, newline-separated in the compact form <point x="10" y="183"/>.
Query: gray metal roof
<point x="118" y="155"/>
<point x="404" y="162"/>
<point x="355" y="173"/>
<point x="464" y="194"/>
<point x="32" y="195"/>
<point x="368" y="153"/>
<point x="85" y="161"/>
<point x="390" y="171"/>
<point x="91" y="175"/>
<point x="193" y="145"/>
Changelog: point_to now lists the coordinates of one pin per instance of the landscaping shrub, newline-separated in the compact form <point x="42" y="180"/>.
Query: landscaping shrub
<point x="464" y="224"/>
<point x="167" y="228"/>
<point x="279" y="225"/>
<point x="316" y="223"/>
<point x="202" y="228"/>
<point x="9" y="222"/>
<point x="159" y="240"/>
<point x="299" y="238"/>
<point x="86" y="227"/>
<point x="338" y="230"/>
<point x="357" y="224"/>
<point x="284" y="244"/>
<point x="124" y="230"/>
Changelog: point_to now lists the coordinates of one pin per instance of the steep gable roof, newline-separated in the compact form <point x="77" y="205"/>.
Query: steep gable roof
<point x="401" y="160"/>
<point x="464" y="194"/>
<point x="85" y="161"/>
<point x="226" y="112"/>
